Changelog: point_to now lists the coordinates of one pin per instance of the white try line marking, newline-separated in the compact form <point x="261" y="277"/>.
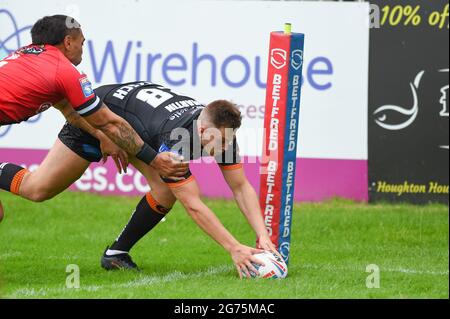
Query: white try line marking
<point x="141" y="281"/>
<point x="401" y="270"/>
<point x="146" y="281"/>
<point x="10" y="255"/>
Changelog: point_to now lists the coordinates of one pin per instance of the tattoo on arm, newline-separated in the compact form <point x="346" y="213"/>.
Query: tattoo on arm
<point x="72" y="117"/>
<point x="76" y="120"/>
<point x="119" y="131"/>
<point x="126" y="138"/>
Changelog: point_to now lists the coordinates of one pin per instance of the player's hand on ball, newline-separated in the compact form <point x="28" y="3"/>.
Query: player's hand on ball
<point x="243" y="258"/>
<point x="170" y="165"/>
<point x="119" y="156"/>
<point x="265" y="243"/>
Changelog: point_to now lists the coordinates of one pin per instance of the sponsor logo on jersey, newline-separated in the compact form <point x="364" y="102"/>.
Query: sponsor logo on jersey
<point x="86" y="87"/>
<point x="33" y="49"/>
<point x="172" y="107"/>
<point x="43" y="107"/>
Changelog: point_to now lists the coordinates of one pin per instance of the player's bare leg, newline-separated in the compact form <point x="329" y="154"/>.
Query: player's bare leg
<point x="149" y="212"/>
<point x="2" y="213"/>
<point x="159" y="189"/>
<point x="60" y="168"/>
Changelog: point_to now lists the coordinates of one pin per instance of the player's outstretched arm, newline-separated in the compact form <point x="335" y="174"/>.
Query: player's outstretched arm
<point x="248" y="202"/>
<point x="189" y="196"/>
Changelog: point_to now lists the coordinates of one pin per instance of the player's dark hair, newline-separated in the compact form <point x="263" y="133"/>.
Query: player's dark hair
<point x="53" y="29"/>
<point x="225" y="114"/>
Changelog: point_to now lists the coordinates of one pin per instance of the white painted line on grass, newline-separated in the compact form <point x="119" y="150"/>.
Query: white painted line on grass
<point x="138" y="282"/>
<point x="10" y="255"/>
<point x="401" y="270"/>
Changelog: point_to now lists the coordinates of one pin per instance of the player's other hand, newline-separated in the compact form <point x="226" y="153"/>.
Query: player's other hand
<point x="119" y="156"/>
<point x="266" y="244"/>
<point x="243" y="257"/>
<point x="170" y="165"/>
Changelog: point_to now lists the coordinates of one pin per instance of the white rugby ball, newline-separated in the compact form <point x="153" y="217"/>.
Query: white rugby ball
<point x="274" y="266"/>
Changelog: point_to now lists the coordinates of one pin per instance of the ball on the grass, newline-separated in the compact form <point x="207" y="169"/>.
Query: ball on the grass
<point x="274" y="266"/>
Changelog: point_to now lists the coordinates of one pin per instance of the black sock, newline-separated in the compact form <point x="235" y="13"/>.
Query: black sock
<point x="11" y="176"/>
<point x="147" y="215"/>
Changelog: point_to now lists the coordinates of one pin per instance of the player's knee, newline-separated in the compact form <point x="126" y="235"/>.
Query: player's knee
<point x="41" y="195"/>
<point x="162" y="206"/>
<point x="169" y="204"/>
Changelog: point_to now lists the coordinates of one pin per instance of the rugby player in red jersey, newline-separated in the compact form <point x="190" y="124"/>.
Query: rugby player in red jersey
<point x="44" y="75"/>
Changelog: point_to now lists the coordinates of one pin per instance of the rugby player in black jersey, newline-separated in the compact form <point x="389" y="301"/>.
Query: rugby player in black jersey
<point x="169" y="122"/>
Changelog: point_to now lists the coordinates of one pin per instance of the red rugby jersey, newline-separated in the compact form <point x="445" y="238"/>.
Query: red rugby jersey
<point x="35" y="77"/>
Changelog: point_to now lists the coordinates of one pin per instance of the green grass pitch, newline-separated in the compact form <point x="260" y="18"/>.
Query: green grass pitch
<point x="332" y="244"/>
